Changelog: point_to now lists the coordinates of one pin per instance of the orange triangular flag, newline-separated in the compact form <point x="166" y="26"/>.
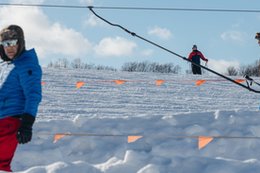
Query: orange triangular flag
<point x="240" y="80"/>
<point x="58" y="136"/>
<point x="131" y="139"/>
<point x="159" y="82"/>
<point x="119" y="82"/>
<point x="79" y="84"/>
<point x="203" y="141"/>
<point x="200" y="82"/>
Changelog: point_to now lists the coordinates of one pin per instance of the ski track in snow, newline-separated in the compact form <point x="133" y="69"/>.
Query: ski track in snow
<point x="159" y="113"/>
<point x="140" y="96"/>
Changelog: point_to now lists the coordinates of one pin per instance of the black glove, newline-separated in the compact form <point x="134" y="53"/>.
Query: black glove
<point x="24" y="133"/>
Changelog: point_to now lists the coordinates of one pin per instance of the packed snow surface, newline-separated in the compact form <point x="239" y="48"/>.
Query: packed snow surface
<point x="101" y="114"/>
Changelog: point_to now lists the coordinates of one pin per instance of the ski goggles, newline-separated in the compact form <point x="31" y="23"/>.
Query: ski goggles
<point x="8" y="43"/>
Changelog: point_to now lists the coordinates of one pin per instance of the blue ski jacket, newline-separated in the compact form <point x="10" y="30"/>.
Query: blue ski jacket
<point x="20" y="85"/>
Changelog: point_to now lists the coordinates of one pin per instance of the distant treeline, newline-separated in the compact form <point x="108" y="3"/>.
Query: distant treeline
<point x="77" y="64"/>
<point x="146" y="66"/>
<point x="151" y="67"/>
<point x="130" y="67"/>
<point x="251" y="70"/>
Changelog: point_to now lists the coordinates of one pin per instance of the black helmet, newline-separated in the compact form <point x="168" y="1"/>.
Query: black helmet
<point x="257" y="36"/>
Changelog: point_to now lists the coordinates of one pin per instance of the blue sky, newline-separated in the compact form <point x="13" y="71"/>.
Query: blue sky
<point x="226" y="39"/>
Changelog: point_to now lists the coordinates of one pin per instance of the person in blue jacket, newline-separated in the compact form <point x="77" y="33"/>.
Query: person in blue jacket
<point x="20" y="92"/>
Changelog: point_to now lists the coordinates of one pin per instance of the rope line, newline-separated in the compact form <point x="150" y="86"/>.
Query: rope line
<point x="148" y="136"/>
<point x="134" y="8"/>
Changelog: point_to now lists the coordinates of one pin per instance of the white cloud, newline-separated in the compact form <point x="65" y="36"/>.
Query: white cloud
<point x="92" y="21"/>
<point x="28" y="1"/>
<point x="87" y="2"/>
<point x="162" y="33"/>
<point x="147" y="52"/>
<point x="40" y="33"/>
<point x="233" y="36"/>
<point x="222" y="65"/>
<point x="115" y="47"/>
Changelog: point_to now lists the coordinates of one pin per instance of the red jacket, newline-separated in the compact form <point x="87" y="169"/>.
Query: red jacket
<point x="195" y="56"/>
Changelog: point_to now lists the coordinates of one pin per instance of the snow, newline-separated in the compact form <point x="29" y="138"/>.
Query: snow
<point x="169" y="117"/>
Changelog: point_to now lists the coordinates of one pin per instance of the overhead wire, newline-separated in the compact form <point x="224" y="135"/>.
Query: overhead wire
<point x="134" y="8"/>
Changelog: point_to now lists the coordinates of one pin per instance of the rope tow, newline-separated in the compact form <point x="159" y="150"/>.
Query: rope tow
<point x="182" y="57"/>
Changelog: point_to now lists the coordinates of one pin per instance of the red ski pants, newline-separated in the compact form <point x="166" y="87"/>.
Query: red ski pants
<point x="8" y="141"/>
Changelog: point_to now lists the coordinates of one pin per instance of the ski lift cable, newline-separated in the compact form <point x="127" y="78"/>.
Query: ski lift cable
<point x="182" y="57"/>
<point x="133" y="8"/>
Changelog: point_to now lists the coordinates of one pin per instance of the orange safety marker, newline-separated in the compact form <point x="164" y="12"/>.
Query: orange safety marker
<point x="119" y="82"/>
<point x="58" y="136"/>
<point x="43" y="83"/>
<point x="203" y="141"/>
<point x="79" y="84"/>
<point x="240" y="80"/>
<point x="131" y="139"/>
<point x="200" y="82"/>
<point x="159" y="82"/>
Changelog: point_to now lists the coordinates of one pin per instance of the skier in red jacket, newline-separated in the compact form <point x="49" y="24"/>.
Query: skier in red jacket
<point x="195" y="57"/>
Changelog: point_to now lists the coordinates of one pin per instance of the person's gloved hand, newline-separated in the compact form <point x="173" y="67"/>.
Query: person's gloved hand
<point x="206" y="60"/>
<point x="24" y="133"/>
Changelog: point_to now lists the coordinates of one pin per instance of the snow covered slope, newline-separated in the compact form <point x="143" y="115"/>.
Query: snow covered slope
<point x="169" y="117"/>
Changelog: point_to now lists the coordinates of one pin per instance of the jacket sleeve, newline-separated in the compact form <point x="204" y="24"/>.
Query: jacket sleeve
<point x="190" y="56"/>
<point x="202" y="57"/>
<point x="30" y="78"/>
